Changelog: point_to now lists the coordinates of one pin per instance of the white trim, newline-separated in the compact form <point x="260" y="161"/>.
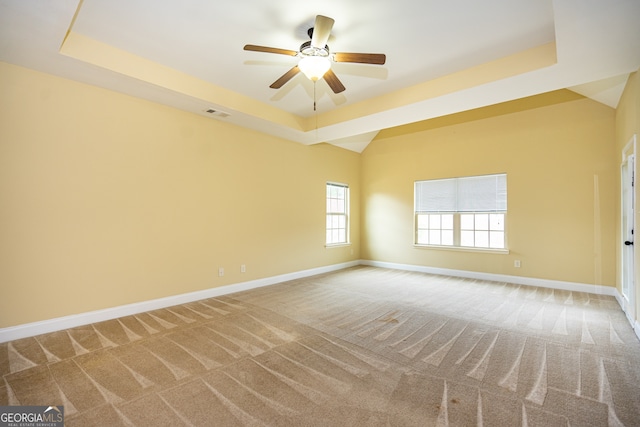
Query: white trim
<point x="634" y="323"/>
<point x="463" y="249"/>
<point x="518" y="280"/>
<point x="628" y="302"/>
<point x="337" y="245"/>
<point x="620" y="300"/>
<point x="51" y="325"/>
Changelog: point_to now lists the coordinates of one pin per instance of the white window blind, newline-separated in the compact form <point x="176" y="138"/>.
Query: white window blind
<point x="487" y="193"/>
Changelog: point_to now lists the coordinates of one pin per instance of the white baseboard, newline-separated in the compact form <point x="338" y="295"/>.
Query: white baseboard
<point x="518" y="280"/>
<point x="66" y="322"/>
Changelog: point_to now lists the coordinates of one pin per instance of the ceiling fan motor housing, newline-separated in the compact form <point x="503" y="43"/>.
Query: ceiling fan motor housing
<point x="307" y="50"/>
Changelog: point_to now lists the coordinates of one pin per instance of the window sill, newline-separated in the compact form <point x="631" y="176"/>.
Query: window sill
<point x="463" y="249"/>
<point x="336" y="245"/>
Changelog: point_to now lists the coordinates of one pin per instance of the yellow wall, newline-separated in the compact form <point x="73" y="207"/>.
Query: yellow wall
<point x="107" y="200"/>
<point x="553" y="147"/>
<point x="628" y="124"/>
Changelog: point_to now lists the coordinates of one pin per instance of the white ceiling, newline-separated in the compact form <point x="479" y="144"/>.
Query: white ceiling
<point x="432" y="47"/>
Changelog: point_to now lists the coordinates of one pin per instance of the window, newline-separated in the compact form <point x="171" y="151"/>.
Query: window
<point x="337" y="214"/>
<point x="461" y="212"/>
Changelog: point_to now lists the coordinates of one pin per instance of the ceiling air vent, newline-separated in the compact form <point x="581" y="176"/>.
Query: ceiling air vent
<point x="217" y="113"/>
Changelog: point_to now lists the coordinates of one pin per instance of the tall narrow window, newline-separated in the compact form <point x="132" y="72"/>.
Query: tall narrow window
<point x="337" y="214"/>
<point x="462" y="212"/>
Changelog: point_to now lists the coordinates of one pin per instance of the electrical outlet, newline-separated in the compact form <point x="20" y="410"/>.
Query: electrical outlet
<point x="516" y="263"/>
<point x="221" y="271"/>
<point x="243" y="268"/>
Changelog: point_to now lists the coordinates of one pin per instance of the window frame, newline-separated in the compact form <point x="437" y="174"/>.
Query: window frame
<point x="337" y="214"/>
<point x="455" y="214"/>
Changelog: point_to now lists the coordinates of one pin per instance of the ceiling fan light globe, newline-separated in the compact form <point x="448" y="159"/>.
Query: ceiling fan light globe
<point x="314" y="67"/>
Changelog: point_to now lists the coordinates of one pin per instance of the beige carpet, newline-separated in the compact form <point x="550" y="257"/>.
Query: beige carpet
<point x="363" y="346"/>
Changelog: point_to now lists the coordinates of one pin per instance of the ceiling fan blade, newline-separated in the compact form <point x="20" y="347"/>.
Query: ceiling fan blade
<point x="266" y="49"/>
<point x="285" y="78"/>
<point x="321" y="31"/>
<point x="334" y="83"/>
<point x="361" y="58"/>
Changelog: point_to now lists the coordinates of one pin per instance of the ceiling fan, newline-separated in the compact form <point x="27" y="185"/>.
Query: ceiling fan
<point x="315" y="57"/>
